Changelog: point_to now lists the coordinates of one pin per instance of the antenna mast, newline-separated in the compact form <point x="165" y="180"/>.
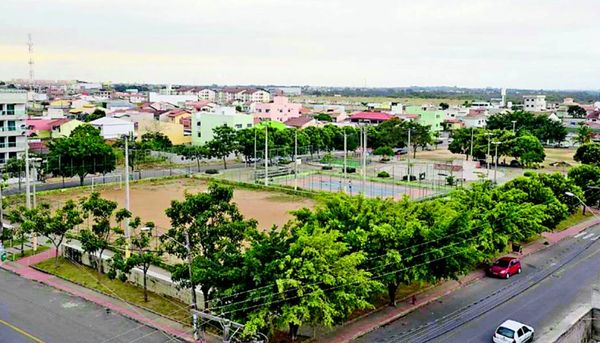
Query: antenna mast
<point x="30" y="45"/>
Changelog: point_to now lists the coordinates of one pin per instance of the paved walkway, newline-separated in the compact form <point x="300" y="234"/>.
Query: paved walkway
<point x="386" y="314"/>
<point x="22" y="268"/>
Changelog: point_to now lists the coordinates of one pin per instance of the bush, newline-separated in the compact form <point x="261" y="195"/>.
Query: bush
<point x="383" y="174"/>
<point x="212" y="171"/>
<point x="385" y="159"/>
<point x="327" y="167"/>
<point x="451" y="181"/>
<point x="412" y="178"/>
<point x="350" y="170"/>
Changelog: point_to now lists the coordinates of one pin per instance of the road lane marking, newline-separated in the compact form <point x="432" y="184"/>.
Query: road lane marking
<point x="21" y="331"/>
<point x="595" y="238"/>
<point x="580" y="234"/>
<point x="587" y="236"/>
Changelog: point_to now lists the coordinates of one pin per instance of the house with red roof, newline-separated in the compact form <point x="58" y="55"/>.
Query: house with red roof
<point x="300" y="122"/>
<point x="372" y="117"/>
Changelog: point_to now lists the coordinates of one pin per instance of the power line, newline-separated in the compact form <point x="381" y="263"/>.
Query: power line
<point x="320" y="282"/>
<point x="368" y="259"/>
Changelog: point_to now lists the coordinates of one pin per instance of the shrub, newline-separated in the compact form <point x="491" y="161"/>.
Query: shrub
<point x="412" y="178"/>
<point x="327" y="167"/>
<point x="212" y="171"/>
<point x="451" y="181"/>
<point x="350" y="170"/>
<point x="383" y="174"/>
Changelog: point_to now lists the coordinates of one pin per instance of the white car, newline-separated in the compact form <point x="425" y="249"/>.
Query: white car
<point x="513" y="332"/>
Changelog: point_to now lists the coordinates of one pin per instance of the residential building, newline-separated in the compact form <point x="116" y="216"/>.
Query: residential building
<point x="370" y="117"/>
<point x="294" y="91"/>
<point x="64" y="128"/>
<point x="476" y="121"/>
<point x="42" y="127"/>
<point x="174" y="99"/>
<point x="534" y="103"/>
<point x="176" y="116"/>
<point x="244" y="94"/>
<point x="113" y="128"/>
<point x="203" y="123"/>
<point x="207" y="94"/>
<point x="428" y="115"/>
<point x="12" y="120"/>
<point x="280" y="109"/>
<point x="174" y="131"/>
<point x="116" y="105"/>
<point x="300" y="122"/>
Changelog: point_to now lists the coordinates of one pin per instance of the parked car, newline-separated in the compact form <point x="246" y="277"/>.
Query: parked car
<point x="505" y="267"/>
<point x="513" y="332"/>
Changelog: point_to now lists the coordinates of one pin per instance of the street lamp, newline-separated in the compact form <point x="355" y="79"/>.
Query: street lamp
<point x="496" y="143"/>
<point x="127" y="232"/>
<point x="488" y="134"/>
<point x="149" y="229"/>
<point x="572" y="195"/>
<point x="514" y="122"/>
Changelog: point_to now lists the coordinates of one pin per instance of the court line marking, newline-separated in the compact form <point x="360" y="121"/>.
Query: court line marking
<point x="21" y="331"/>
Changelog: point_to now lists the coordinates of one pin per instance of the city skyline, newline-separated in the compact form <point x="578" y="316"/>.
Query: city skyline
<point x="337" y="43"/>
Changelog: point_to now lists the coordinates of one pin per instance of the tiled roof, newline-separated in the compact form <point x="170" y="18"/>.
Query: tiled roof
<point x="371" y="116"/>
<point x="298" y="121"/>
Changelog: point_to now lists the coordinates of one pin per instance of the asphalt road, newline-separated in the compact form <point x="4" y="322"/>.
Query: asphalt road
<point x="32" y="312"/>
<point x="553" y="283"/>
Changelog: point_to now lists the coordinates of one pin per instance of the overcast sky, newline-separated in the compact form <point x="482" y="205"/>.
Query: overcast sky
<point x="473" y="43"/>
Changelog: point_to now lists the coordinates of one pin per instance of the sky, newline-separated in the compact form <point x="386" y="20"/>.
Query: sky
<point x="536" y="44"/>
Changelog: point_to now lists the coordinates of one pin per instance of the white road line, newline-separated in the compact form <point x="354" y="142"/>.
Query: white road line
<point x="580" y="234"/>
<point x="595" y="238"/>
<point x="588" y="236"/>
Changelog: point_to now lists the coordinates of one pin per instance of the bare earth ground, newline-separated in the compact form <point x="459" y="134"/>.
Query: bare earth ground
<point x="150" y="199"/>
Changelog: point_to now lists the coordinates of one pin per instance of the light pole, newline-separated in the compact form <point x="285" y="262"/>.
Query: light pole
<point x="296" y="160"/>
<point x="255" y="132"/>
<point x="514" y="122"/>
<point x="127" y="233"/>
<point x="408" y="158"/>
<point x="266" y="156"/>
<point x="471" y="152"/>
<point x="345" y="158"/>
<point x="488" y="134"/>
<point x="496" y="143"/>
<point x="572" y="195"/>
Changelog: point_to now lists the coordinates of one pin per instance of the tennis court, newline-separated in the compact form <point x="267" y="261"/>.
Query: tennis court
<point x="330" y="183"/>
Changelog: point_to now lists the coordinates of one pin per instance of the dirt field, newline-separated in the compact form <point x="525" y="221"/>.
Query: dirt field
<point x="552" y="155"/>
<point x="150" y="199"/>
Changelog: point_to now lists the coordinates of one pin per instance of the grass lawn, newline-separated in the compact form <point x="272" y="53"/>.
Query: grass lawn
<point x="29" y="252"/>
<point x="573" y="219"/>
<point x="87" y="277"/>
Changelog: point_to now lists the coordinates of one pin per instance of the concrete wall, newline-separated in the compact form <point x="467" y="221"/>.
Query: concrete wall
<point x="158" y="282"/>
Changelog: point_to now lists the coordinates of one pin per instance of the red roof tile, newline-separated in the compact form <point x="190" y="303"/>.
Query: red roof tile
<point x="380" y="116"/>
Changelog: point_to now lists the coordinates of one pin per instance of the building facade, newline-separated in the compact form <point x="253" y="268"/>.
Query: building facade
<point x="12" y="122"/>
<point x="534" y="103"/>
<point x="203" y="123"/>
<point x="280" y="109"/>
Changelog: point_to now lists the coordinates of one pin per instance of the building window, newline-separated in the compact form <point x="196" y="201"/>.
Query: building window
<point x="249" y="125"/>
<point x="238" y="126"/>
<point x="198" y="124"/>
<point x="199" y="134"/>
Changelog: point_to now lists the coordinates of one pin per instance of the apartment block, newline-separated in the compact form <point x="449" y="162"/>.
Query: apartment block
<point x="12" y="121"/>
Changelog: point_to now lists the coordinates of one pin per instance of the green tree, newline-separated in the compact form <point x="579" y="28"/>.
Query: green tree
<point x="384" y="151"/>
<point x="588" y="153"/>
<point x="82" y="153"/>
<point x="156" y="141"/>
<point x="315" y="139"/>
<point x="584" y="134"/>
<point x="528" y="150"/>
<point x="217" y="232"/>
<point x="224" y="143"/>
<point x="318" y="282"/>
<point x="192" y="152"/>
<point x="444" y="106"/>
<point x="576" y="111"/>
<point x="323" y="117"/>
<point x="97" y="238"/>
<point x="15" y="168"/>
<point x="55" y="226"/>
<point x="587" y="177"/>
<point x="420" y="136"/>
<point x="25" y="221"/>
<point x="141" y="255"/>
<point x="97" y="114"/>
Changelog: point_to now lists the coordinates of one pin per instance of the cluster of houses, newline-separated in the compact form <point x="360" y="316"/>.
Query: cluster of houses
<point x="188" y="115"/>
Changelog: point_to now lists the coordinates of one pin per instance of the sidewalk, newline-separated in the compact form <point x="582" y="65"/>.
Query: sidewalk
<point x="386" y="314"/>
<point x="23" y="268"/>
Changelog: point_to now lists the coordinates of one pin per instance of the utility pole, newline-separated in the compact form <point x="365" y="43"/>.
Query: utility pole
<point x="192" y="286"/>
<point x="408" y="157"/>
<point x="364" y="186"/>
<point x="488" y="134"/>
<point x="514" y="122"/>
<point x="472" y="129"/>
<point x="345" y="157"/>
<point x="296" y="160"/>
<point x="255" y="131"/>
<point x="266" y="156"/>
<point x="127" y="233"/>
<point x="496" y="160"/>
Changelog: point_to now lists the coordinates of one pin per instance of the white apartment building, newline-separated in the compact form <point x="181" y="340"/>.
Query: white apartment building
<point x="534" y="103"/>
<point x="12" y="120"/>
<point x="207" y="94"/>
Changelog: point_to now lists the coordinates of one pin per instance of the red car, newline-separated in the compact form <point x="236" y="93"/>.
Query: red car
<point x="504" y="267"/>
